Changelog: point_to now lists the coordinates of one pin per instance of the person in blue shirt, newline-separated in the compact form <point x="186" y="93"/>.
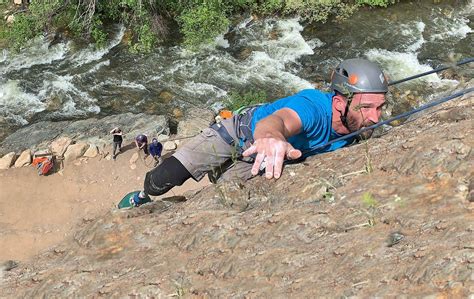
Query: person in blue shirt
<point x="155" y="150"/>
<point x="264" y="137"/>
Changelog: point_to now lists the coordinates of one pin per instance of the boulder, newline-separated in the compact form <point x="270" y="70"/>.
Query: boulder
<point x="92" y="151"/>
<point x="7" y="160"/>
<point x="59" y="146"/>
<point x="24" y="159"/>
<point x="169" y="146"/>
<point x="17" y="2"/>
<point x="166" y="96"/>
<point x="75" y="151"/>
<point x="163" y="137"/>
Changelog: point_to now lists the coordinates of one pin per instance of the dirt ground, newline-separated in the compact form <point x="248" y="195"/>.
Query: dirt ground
<point x="37" y="212"/>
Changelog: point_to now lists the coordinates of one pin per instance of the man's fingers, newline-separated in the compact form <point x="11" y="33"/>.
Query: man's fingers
<point x="293" y="154"/>
<point x="279" y="158"/>
<point x="256" y="164"/>
<point x="269" y="167"/>
<point x="250" y="151"/>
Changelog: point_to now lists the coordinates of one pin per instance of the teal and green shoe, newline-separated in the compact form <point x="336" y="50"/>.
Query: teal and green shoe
<point x="132" y="200"/>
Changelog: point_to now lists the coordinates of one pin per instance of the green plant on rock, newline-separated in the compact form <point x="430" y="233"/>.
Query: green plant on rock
<point x="371" y="205"/>
<point x="238" y="100"/>
<point x="369" y="200"/>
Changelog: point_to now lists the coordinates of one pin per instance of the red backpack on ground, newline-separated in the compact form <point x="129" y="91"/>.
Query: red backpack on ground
<point x="43" y="164"/>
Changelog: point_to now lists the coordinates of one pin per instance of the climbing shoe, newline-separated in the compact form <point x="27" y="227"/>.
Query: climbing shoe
<point x="133" y="199"/>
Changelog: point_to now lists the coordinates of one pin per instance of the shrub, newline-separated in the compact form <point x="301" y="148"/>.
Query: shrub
<point x="238" y="100"/>
<point x="382" y="3"/>
<point x="202" y="23"/>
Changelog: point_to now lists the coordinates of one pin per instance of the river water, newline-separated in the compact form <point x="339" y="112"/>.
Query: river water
<point x="281" y="56"/>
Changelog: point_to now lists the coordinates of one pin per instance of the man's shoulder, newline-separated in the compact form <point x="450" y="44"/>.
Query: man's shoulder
<point x="315" y="94"/>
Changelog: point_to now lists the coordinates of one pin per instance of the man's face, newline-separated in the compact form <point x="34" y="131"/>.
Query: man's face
<point x="365" y="110"/>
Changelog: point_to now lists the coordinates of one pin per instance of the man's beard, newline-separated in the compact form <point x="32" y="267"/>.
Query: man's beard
<point x="353" y="126"/>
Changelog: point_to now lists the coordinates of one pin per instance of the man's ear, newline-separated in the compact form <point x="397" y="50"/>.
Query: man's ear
<point x="339" y="103"/>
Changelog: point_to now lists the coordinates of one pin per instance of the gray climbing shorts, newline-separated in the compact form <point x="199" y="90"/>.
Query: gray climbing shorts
<point x="208" y="152"/>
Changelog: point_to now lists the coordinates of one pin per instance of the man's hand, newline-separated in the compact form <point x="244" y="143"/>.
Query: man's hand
<point x="271" y="145"/>
<point x="271" y="152"/>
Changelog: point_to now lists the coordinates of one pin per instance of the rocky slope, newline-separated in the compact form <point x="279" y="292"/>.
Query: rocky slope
<point x="328" y="227"/>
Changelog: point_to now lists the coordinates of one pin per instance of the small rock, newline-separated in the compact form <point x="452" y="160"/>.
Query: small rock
<point x="24" y="159"/>
<point x="169" y="146"/>
<point x="8" y="265"/>
<point x="75" y="151"/>
<point x="58" y="147"/>
<point x="7" y="160"/>
<point x="166" y="96"/>
<point x="133" y="166"/>
<point x="395" y="238"/>
<point x="162" y="137"/>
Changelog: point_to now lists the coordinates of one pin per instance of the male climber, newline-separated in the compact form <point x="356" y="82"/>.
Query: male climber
<point x="287" y="129"/>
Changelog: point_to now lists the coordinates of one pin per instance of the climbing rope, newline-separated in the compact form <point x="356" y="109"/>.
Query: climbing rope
<point x="144" y="161"/>
<point x="442" y="68"/>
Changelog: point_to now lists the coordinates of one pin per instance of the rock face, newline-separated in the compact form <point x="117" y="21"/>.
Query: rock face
<point x="327" y="228"/>
<point x="196" y="120"/>
<point x="92" y="131"/>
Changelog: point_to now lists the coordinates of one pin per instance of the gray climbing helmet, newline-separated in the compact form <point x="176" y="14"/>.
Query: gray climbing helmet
<point x="358" y="75"/>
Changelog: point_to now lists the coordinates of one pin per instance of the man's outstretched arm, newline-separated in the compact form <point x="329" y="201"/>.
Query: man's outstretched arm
<point x="271" y="145"/>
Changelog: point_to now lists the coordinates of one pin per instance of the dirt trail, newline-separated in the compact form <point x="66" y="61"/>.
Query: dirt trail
<point x="38" y="212"/>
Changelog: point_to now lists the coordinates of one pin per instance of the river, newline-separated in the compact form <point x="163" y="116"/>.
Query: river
<point x="279" y="55"/>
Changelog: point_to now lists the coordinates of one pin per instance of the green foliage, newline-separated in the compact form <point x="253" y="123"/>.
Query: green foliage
<point x="382" y="3"/>
<point x="319" y="10"/>
<point x="99" y="36"/>
<point x="368" y="200"/>
<point x="199" y="21"/>
<point x="238" y="100"/>
<point x="202" y="23"/>
<point x="270" y="6"/>
<point x="22" y="30"/>
<point x="145" y="41"/>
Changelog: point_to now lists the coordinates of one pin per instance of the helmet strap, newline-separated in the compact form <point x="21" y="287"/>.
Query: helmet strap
<point x="346" y="111"/>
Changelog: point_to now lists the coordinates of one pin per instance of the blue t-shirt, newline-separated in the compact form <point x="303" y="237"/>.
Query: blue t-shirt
<point x="315" y="111"/>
